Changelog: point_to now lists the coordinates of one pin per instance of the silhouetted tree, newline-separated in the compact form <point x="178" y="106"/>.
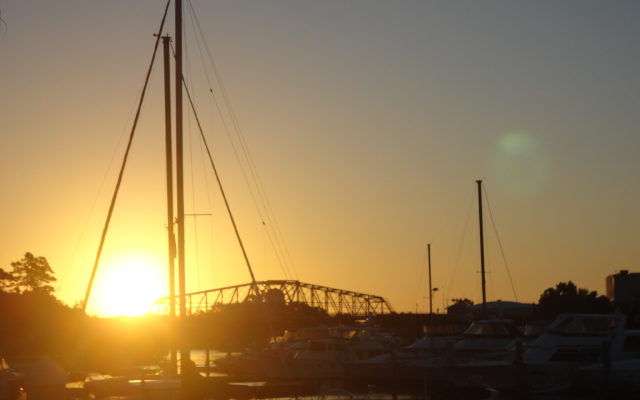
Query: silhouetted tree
<point x="7" y="281"/>
<point x="29" y="274"/>
<point x="33" y="323"/>
<point x="566" y="297"/>
<point x="462" y="302"/>
<point x="233" y="327"/>
<point x="459" y="306"/>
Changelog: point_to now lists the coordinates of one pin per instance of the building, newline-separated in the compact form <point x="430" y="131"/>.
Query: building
<point x="623" y="288"/>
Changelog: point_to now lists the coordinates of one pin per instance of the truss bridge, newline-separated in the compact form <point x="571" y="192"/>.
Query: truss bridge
<point x="333" y="301"/>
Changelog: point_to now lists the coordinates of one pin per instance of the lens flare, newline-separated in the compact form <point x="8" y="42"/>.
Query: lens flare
<point x="519" y="165"/>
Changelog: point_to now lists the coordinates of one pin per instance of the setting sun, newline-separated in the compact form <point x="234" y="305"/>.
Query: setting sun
<point x="128" y="285"/>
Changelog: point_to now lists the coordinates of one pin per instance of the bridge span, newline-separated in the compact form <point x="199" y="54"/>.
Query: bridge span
<point x="333" y="301"/>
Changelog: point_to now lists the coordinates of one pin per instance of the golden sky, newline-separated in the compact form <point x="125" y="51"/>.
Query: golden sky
<point x="368" y="123"/>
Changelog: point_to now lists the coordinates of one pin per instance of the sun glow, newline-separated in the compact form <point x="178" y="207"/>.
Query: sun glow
<point x="128" y="285"/>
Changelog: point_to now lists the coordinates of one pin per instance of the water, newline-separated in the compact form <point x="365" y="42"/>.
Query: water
<point x="200" y="356"/>
<point x="334" y="392"/>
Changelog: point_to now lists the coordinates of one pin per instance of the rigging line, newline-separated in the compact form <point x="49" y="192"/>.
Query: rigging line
<point x="222" y="192"/>
<point x="246" y="180"/>
<point x="200" y="147"/>
<point x="280" y="242"/>
<point x="124" y="162"/>
<point x="255" y="286"/>
<point x="223" y="119"/>
<point x="210" y="203"/>
<point x="198" y="34"/>
<point x="488" y="276"/>
<point x="191" y="170"/>
<point x="420" y="285"/>
<point x="282" y="247"/>
<point x="504" y="258"/>
<point x="193" y="204"/>
<point x="462" y="240"/>
<point x="435" y="237"/>
<point x="243" y="172"/>
<point x="74" y="254"/>
<point x="196" y="23"/>
<point x="211" y="206"/>
<point x="281" y="255"/>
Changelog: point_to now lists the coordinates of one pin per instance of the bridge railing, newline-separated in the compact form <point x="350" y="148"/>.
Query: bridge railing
<point x="333" y="301"/>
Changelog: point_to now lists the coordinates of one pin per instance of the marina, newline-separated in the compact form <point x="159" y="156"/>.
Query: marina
<point x="139" y="313"/>
<point x="570" y="359"/>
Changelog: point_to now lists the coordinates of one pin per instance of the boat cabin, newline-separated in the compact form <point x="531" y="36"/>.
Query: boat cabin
<point x="489" y="335"/>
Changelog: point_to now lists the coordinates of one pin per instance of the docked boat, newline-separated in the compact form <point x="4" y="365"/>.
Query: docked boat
<point x="484" y="345"/>
<point x="486" y="336"/>
<point x="579" y="338"/>
<point x="39" y="376"/>
<point x="319" y="353"/>
<point x="605" y="355"/>
<point x="11" y="383"/>
<point x="493" y="353"/>
<point x="590" y="350"/>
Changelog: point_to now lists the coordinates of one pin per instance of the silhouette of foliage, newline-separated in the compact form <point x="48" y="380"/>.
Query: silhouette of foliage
<point x="6" y="281"/>
<point x="462" y="302"/>
<point x="35" y="323"/>
<point x="459" y="306"/>
<point x="566" y="297"/>
<point x="29" y="274"/>
<point x="252" y="323"/>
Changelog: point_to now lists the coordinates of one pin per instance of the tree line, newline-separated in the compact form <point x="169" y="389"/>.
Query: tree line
<point x="565" y="297"/>
<point x="34" y="322"/>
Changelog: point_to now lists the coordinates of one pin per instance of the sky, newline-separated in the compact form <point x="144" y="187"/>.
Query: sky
<point x="368" y="123"/>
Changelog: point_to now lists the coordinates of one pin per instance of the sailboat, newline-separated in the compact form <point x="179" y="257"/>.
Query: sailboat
<point x="487" y="357"/>
<point x="179" y="381"/>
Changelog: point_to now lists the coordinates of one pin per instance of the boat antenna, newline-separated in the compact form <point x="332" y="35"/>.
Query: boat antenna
<point x="482" y="271"/>
<point x="114" y="197"/>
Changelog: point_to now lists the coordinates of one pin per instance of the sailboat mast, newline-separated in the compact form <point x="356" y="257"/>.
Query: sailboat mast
<point x="166" y="40"/>
<point x="430" y="287"/>
<point x="482" y="272"/>
<point x="184" y="351"/>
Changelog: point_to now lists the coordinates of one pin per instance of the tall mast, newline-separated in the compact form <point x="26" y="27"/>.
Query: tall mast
<point x="184" y="351"/>
<point x="166" y="40"/>
<point x="482" y="272"/>
<point x="430" y="287"/>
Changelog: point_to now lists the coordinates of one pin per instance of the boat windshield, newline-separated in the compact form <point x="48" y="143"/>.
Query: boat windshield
<point x="536" y="328"/>
<point x="585" y="325"/>
<point x="490" y="328"/>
